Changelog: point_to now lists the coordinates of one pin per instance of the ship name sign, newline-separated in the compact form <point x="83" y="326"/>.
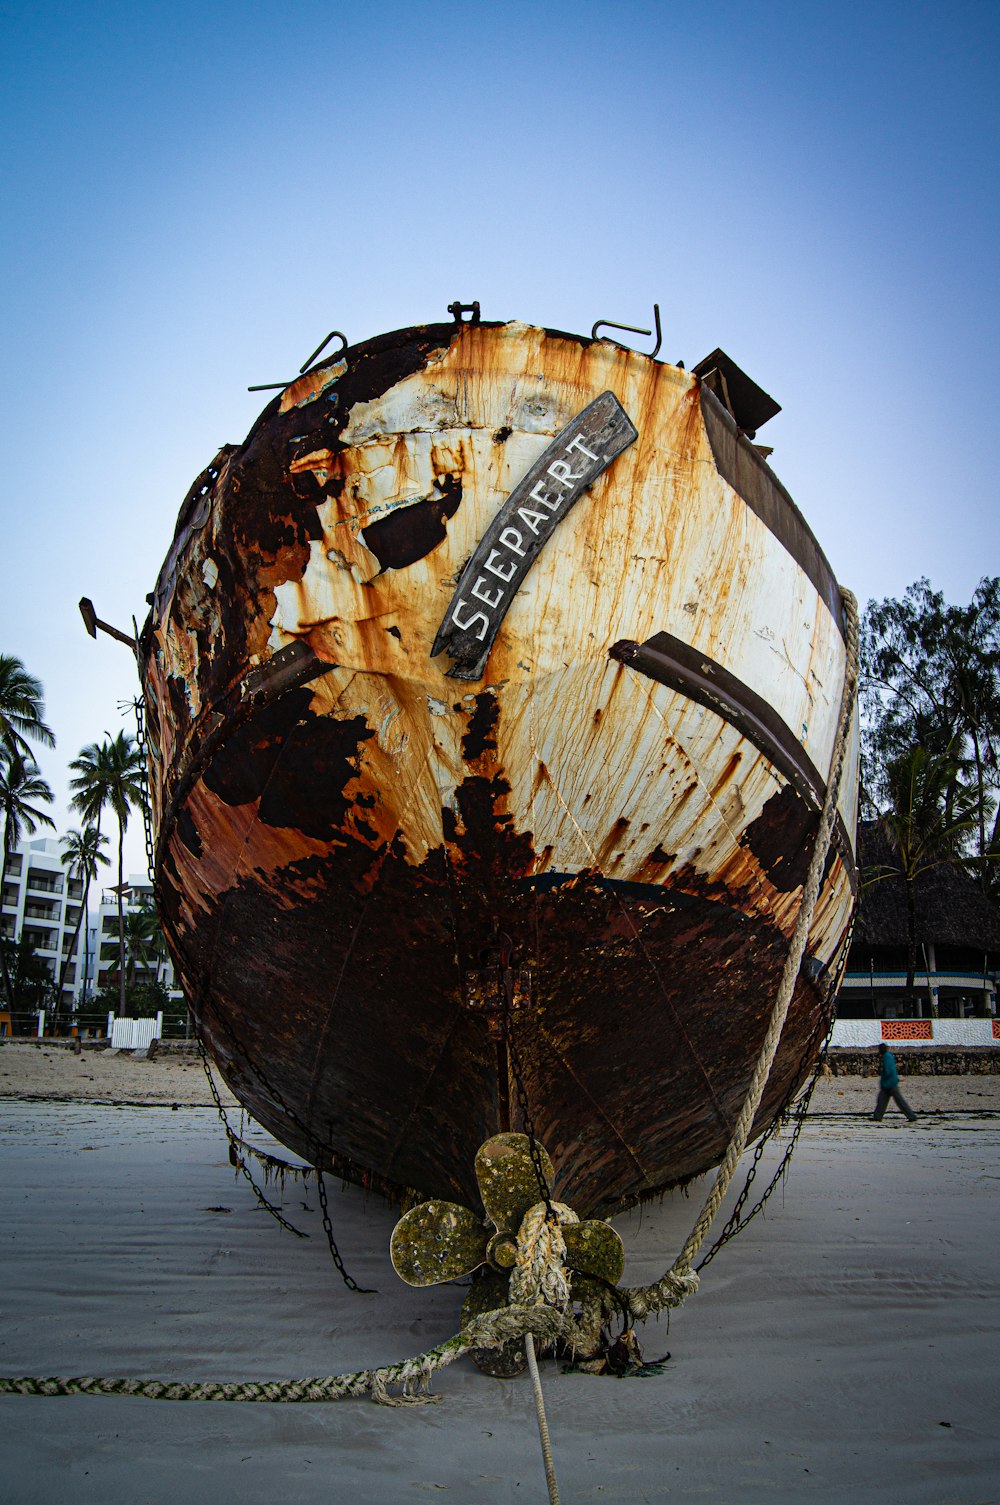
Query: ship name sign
<point x="522" y="526"/>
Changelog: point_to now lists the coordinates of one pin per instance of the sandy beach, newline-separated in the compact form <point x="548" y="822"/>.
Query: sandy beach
<point x="50" y="1070"/>
<point x="843" y="1349"/>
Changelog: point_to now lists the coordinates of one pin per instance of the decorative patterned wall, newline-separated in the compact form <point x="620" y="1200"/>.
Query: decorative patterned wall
<point x="865" y="1034"/>
<point x="907" y="1029"/>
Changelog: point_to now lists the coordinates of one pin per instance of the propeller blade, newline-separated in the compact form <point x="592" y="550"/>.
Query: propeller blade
<point x="507" y="1181"/>
<point x="487" y="1293"/>
<point x="437" y="1241"/>
<point x="595" y="1248"/>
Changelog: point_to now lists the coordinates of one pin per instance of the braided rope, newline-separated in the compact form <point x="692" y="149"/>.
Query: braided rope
<point x="540" y="1277"/>
<point x="543" y="1426"/>
<point x="491" y="1330"/>
<point x="681" y="1280"/>
<point x="540" y="1307"/>
<point x="540" y="1271"/>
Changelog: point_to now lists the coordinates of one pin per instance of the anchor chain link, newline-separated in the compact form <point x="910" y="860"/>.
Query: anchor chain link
<point x="142" y="742"/>
<point x="318" y="1151"/>
<point x="517" y="1072"/>
<point x="235" y="1157"/>
<point x="348" y="1280"/>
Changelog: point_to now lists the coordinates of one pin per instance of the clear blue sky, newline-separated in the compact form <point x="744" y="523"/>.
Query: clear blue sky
<point x="194" y="194"/>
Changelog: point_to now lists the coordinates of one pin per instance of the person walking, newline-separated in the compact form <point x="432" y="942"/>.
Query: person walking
<point x="888" y="1086"/>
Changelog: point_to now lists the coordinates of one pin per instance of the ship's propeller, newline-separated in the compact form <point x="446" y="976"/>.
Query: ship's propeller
<point x="437" y="1241"/>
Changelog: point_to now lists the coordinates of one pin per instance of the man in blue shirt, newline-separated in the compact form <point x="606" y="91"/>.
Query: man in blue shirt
<point x="888" y="1087"/>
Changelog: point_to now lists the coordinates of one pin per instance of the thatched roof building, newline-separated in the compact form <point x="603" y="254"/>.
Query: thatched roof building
<point x="951" y="908"/>
<point x="957" y="942"/>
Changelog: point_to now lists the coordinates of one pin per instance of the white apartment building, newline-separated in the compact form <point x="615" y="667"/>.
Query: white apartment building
<point x="40" y="903"/>
<point x="138" y="892"/>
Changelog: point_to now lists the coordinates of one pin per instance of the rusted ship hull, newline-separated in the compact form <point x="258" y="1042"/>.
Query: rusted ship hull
<point x="608" y="814"/>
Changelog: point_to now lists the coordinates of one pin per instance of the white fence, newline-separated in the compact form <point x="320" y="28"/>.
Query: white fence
<point x="866" y="1033"/>
<point x="133" y="1034"/>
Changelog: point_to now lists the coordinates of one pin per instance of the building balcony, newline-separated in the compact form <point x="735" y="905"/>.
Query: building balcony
<point x="933" y="988"/>
<point x="48" y="913"/>
<point x="44" y="883"/>
<point x="41" y="940"/>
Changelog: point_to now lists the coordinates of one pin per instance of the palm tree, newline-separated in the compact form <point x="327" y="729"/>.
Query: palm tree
<point x="21" y="709"/>
<point x="81" y="855"/>
<point x="21" y="787"/>
<point x="109" y="776"/>
<point x="143" y="936"/>
<point x="928" y="824"/>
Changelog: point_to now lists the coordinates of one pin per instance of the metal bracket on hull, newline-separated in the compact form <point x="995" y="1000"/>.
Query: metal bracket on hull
<point x="294" y="665"/>
<point x="632" y="329"/>
<point x="279" y="386"/>
<point x="494" y="990"/>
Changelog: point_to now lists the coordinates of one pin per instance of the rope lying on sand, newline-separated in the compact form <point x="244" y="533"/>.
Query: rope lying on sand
<point x="541" y="1308"/>
<point x="491" y="1330"/>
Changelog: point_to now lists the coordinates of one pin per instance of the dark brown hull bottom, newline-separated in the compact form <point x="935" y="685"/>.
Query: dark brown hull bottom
<point x="339" y="1018"/>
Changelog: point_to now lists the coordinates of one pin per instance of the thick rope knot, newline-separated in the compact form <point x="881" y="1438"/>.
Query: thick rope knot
<point x="674" y="1288"/>
<point x="539" y="1276"/>
<point x="494" y="1329"/>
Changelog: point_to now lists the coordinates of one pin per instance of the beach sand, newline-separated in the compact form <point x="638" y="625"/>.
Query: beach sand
<point x="50" y="1070"/>
<point x="842" y="1349"/>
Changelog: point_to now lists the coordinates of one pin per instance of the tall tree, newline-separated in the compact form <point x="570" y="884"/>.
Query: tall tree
<point x="109" y="776"/>
<point x="22" y="708"/>
<point x="22" y="790"/>
<point x="143" y="937"/>
<point x="81" y="855"/>
<point x="31" y="985"/>
<point x="928" y="822"/>
<point x="931" y="677"/>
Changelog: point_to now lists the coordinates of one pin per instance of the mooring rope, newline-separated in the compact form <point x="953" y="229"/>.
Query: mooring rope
<point x="681" y="1280"/>
<point x="491" y="1330"/>
<point x="543" y="1426"/>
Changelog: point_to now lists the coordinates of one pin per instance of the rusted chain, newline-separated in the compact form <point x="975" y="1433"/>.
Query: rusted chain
<point x="235" y="1157"/>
